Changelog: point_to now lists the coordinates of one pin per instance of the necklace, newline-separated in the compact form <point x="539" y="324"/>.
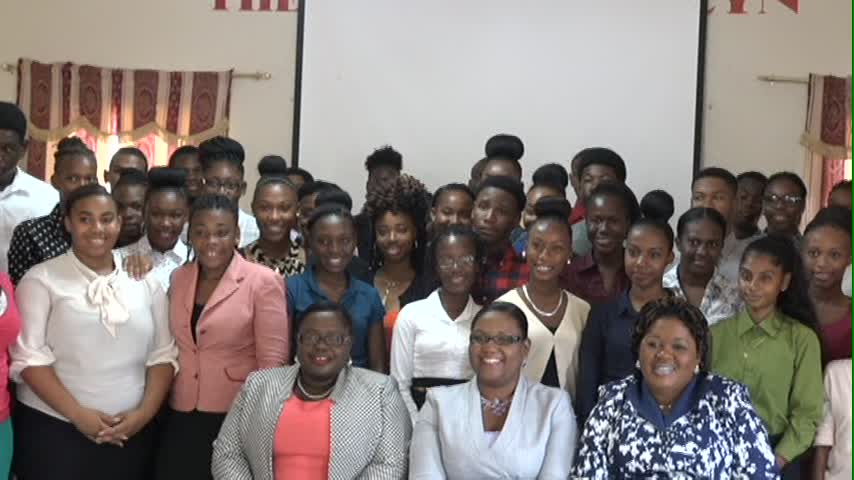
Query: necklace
<point x="497" y="407"/>
<point x="534" y="306"/>
<point x="310" y="396"/>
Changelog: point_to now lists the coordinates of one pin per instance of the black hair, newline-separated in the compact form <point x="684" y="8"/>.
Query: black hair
<point x="601" y="156"/>
<point x="505" y="146"/>
<point x="795" y="301"/>
<point x="12" y="118"/>
<point x="181" y="152"/>
<point x="507" y="308"/>
<point x="330" y="208"/>
<point x="792" y="177"/>
<point x="621" y="192"/>
<point x="461" y="231"/>
<point x="84" y="192"/>
<point x="697" y="214"/>
<point x="656" y="208"/>
<point x="272" y="165"/>
<point x="553" y="209"/>
<point x="315" y="186"/>
<point x="325" y="306"/>
<point x="221" y="149"/>
<point x="835" y="217"/>
<point x="166" y="179"/>
<point x="71" y="147"/>
<point x="213" y="202"/>
<point x="751" y="175"/>
<point x="551" y="175"/>
<point x="719" y="173"/>
<point x="407" y="195"/>
<point x="306" y="176"/>
<point x="476" y="173"/>
<point x="451" y="187"/>
<point x="132" y="151"/>
<point x="840" y="185"/>
<point x="131" y="177"/>
<point x="385" y="156"/>
<point x="334" y="195"/>
<point x="507" y="184"/>
<point x="689" y="315"/>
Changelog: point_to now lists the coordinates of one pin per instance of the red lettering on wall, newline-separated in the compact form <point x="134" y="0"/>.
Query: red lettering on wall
<point x="265" y="6"/>
<point x="246" y="5"/>
<point x="283" y="6"/>
<point x="220" y="5"/>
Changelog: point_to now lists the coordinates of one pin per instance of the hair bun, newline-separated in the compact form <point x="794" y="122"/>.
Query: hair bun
<point x="222" y="147"/>
<point x="165" y="177"/>
<point x="273" y="166"/>
<point x="657" y="205"/>
<point x="556" y="207"/>
<point x="505" y="146"/>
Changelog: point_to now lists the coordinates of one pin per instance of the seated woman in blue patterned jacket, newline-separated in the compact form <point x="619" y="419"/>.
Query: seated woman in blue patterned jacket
<point x="672" y="416"/>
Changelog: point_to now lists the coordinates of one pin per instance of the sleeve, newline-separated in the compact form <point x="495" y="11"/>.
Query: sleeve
<point x="377" y="309"/>
<point x="229" y="462"/>
<point x="164" y="349"/>
<point x="20" y="256"/>
<point x="806" y="400"/>
<point x="32" y="349"/>
<point x="390" y="458"/>
<point x="589" y="364"/>
<point x="10" y="321"/>
<point x="560" y="448"/>
<point x="402" y="351"/>
<point x="290" y="302"/>
<point x="826" y="429"/>
<point x="272" y="343"/>
<point x="754" y="457"/>
<point x="425" y="455"/>
<point x="592" y="459"/>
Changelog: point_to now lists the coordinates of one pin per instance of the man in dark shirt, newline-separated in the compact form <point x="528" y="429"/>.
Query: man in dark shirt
<point x="383" y="165"/>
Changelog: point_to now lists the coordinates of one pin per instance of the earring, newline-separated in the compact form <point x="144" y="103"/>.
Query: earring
<point x="637" y="364"/>
<point x="696" y="369"/>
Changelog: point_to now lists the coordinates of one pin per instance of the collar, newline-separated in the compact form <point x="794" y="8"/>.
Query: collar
<point x="508" y="255"/>
<point x="644" y="401"/>
<point x="314" y="287"/>
<point x="586" y="262"/>
<point x="771" y="325"/>
<point x="180" y="249"/>
<point x="57" y="218"/>
<point x="624" y="304"/>
<point x="18" y="184"/>
<point x="579" y="212"/>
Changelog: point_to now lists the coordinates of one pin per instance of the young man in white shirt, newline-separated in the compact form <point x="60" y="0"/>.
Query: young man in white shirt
<point x="22" y="196"/>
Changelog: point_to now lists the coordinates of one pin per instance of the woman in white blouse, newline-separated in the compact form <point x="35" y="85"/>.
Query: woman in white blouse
<point x="499" y="424"/>
<point x="95" y="357"/>
<point x="556" y="318"/>
<point x="431" y="337"/>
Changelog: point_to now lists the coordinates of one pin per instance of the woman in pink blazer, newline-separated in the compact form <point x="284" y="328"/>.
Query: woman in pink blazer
<point x="229" y="318"/>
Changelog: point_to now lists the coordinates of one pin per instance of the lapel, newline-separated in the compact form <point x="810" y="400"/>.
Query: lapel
<point x="227" y="285"/>
<point x="270" y="419"/>
<point x="339" y="423"/>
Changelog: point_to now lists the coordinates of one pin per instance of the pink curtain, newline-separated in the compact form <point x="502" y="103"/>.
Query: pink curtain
<point x="136" y="106"/>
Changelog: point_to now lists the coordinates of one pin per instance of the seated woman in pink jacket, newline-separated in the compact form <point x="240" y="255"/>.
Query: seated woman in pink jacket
<point x="229" y="319"/>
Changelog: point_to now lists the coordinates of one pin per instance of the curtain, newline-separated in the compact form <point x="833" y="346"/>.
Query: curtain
<point x="155" y="110"/>
<point x="827" y="137"/>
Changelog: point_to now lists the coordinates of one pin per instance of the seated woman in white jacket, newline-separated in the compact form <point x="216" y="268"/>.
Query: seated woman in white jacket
<point x="499" y="424"/>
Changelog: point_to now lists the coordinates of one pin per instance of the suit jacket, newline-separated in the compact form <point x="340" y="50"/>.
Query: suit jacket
<point x="243" y="327"/>
<point x="370" y="427"/>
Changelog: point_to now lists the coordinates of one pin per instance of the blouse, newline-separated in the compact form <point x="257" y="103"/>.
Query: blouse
<point x="164" y="262"/>
<point x="98" y="332"/>
<point x="563" y="343"/>
<point x="248" y="228"/>
<point x="427" y="343"/>
<point x="10" y="326"/>
<point x="836" y="338"/>
<point x="835" y="429"/>
<point x="292" y="264"/>
<point x="304" y="456"/>
<point x="582" y="279"/>
<point x="718" y="435"/>
<point x="779" y="360"/>
<point x="721" y="299"/>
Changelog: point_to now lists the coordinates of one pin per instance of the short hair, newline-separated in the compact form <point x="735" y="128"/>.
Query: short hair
<point x="84" y="192"/>
<point x="71" y="147"/>
<point x="621" y="192"/>
<point x="689" y="315"/>
<point x="476" y="172"/>
<point x="752" y="175"/>
<point x="306" y="176"/>
<point x="451" y="187"/>
<point x="697" y="214"/>
<point x="507" y="308"/>
<point x="314" y="186"/>
<point x="221" y="149"/>
<point x="208" y="202"/>
<point x="325" y="306"/>
<point x="836" y="217"/>
<point x="334" y="195"/>
<point x="719" y="173"/>
<point x="602" y="156"/>
<point x="507" y="184"/>
<point x="461" y="231"/>
<point x="12" y="118"/>
<point x="179" y="152"/>
<point x="272" y="165"/>
<point x="551" y="175"/>
<point x="132" y="151"/>
<point x="130" y="177"/>
<point x="385" y="156"/>
<point x="657" y="205"/>
<point x="792" y="177"/>
<point x="167" y="179"/>
<point x="841" y="185"/>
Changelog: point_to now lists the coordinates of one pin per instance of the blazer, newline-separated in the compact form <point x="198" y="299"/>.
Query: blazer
<point x="243" y="327"/>
<point x="536" y="442"/>
<point x="370" y="427"/>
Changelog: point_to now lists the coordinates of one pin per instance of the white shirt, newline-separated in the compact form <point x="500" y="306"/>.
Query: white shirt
<point x="721" y="299"/>
<point x="248" y="228"/>
<point x="846" y="282"/>
<point x="25" y="198"/>
<point x="731" y="253"/>
<point x="427" y="343"/>
<point x="164" y="262"/>
<point x="99" y="333"/>
<point x="835" y="430"/>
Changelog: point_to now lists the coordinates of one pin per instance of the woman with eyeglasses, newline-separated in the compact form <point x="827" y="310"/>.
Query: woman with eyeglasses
<point x="783" y="203"/>
<point x="431" y="337"/>
<point x="320" y="418"/>
<point x="499" y="424"/>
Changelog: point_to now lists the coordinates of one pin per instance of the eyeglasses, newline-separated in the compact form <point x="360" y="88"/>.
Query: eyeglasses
<point x="789" y="200"/>
<point x="501" y="340"/>
<point x="331" y="339"/>
<point x="448" y="264"/>
<point x="223" y="186"/>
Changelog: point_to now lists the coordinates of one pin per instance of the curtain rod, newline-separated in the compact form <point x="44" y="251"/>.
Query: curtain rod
<point x="782" y="79"/>
<point x="13" y="68"/>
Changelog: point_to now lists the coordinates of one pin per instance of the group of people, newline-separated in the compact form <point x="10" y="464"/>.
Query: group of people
<point x="155" y="330"/>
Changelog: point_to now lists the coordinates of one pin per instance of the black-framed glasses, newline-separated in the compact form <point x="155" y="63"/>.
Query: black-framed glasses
<point x="447" y="264"/>
<point x="223" y="186"/>
<point x="330" y="339"/>
<point x="500" y="339"/>
<point x="788" y="200"/>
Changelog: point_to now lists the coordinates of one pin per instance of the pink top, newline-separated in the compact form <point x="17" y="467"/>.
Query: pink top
<point x="10" y="326"/>
<point x="836" y="338"/>
<point x="302" y="440"/>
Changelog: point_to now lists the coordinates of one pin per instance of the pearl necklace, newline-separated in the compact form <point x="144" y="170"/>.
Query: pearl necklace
<point x="310" y="396"/>
<point x="534" y="306"/>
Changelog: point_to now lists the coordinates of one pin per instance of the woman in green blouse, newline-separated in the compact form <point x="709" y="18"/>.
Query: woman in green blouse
<point x="772" y="347"/>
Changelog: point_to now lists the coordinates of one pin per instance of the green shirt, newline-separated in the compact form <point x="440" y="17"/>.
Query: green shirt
<point x="780" y="362"/>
